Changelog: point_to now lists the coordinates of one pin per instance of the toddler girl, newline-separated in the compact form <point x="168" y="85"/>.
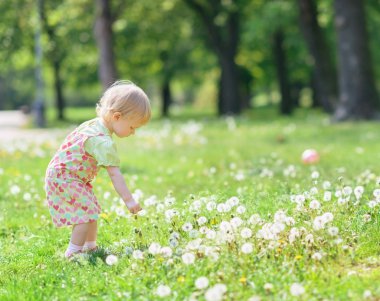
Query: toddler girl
<point x="123" y="108"/>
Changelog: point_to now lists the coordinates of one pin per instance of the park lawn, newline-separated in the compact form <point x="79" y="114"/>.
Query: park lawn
<point x="249" y="167"/>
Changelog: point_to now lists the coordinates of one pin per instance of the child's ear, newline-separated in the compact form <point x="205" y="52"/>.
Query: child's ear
<point x="116" y="116"/>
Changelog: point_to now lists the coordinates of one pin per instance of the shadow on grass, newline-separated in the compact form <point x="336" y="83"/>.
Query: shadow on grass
<point x="99" y="253"/>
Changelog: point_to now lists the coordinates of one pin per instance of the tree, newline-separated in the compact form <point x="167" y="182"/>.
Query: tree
<point x="162" y="45"/>
<point x="55" y="54"/>
<point x="221" y="20"/>
<point x="286" y="106"/>
<point x="288" y="71"/>
<point x="358" y="98"/>
<point x="104" y="39"/>
<point x="324" y="74"/>
<point x="17" y="61"/>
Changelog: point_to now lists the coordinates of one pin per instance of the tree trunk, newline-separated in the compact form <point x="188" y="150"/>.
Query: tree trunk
<point x="316" y="98"/>
<point x="325" y="87"/>
<point x="166" y="97"/>
<point x="38" y="106"/>
<point x="357" y="93"/>
<point x="60" y="103"/>
<point x="286" y="106"/>
<point x="3" y="91"/>
<point x="245" y="90"/>
<point x="224" y="40"/>
<point x="104" y="40"/>
<point x="229" y="98"/>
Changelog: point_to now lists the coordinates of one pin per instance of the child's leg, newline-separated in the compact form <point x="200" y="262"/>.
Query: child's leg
<point x="78" y="237"/>
<point x="92" y="234"/>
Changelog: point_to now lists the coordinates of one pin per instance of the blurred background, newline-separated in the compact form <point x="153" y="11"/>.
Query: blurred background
<point x="215" y="57"/>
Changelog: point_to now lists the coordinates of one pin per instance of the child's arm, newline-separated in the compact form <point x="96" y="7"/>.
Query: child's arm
<point x="122" y="189"/>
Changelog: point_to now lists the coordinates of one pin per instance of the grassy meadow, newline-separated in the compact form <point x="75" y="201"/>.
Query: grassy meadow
<point x="230" y="213"/>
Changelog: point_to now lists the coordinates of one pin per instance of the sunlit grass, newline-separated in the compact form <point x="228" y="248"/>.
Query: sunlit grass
<point x="181" y="164"/>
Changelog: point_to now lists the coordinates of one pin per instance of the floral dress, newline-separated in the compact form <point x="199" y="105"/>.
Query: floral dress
<point x="69" y="193"/>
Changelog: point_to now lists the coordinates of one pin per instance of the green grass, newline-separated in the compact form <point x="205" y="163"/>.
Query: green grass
<point x="244" y="157"/>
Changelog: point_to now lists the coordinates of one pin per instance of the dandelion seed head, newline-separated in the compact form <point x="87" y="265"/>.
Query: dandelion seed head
<point x="246" y="233"/>
<point x="201" y="220"/>
<point x="163" y="291"/>
<point x="201" y="283"/>
<point x="333" y="231"/>
<point x="166" y="252"/>
<point x="247" y="248"/>
<point x="314" y="204"/>
<point x="297" y="289"/>
<point x="187" y="227"/>
<point x="111" y="259"/>
<point x="137" y="254"/>
<point x="154" y="248"/>
<point x="188" y="258"/>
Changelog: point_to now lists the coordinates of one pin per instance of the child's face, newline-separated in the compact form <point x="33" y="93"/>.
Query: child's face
<point x="123" y="126"/>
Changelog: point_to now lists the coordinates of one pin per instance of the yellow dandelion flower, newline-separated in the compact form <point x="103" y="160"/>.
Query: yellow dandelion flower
<point x="298" y="257"/>
<point x="243" y="280"/>
<point x="104" y="215"/>
<point x="181" y="279"/>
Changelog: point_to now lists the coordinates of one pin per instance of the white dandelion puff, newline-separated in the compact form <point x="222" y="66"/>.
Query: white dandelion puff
<point x="236" y="222"/>
<point x="216" y="292"/>
<point x="246" y="233"/>
<point x="314" y="204"/>
<point x="241" y="209"/>
<point x="333" y="231"/>
<point x="111" y="259"/>
<point x="358" y="191"/>
<point x="247" y="248"/>
<point x="210" y="206"/>
<point x="163" y="291"/>
<point x="187" y="227"/>
<point x="154" y="248"/>
<point x="188" y="258"/>
<point x="201" y="220"/>
<point x="315" y="175"/>
<point x="326" y="185"/>
<point x="137" y="254"/>
<point x="376" y="193"/>
<point x="201" y="283"/>
<point x="268" y="286"/>
<point x="327" y="196"/>
<point x="27" y="197"/>
<point x="367" y="294"/>
<point x="317" y="256"/>
<point x="254" y="219"/>
<point x="211" y="234"/>
<point x="15" y="189"/>
<point x="297" y="289"/>
<point x="372" y="204"/>
<point x="166" y="252"/>
<point x="347" y="190"/>
<point x="328" y="217"/>
<point x="309" y="238"/>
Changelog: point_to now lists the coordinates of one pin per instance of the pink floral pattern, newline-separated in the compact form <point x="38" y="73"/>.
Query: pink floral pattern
<point x="70" y="197"/>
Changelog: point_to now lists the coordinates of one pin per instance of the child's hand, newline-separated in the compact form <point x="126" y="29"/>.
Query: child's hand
<point x="133" y="206"/>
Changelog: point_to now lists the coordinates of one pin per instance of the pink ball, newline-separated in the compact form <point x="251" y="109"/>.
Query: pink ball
<point x="310" y="156"/>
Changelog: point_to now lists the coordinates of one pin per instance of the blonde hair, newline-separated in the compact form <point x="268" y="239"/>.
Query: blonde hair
<point x="127" y="98"/>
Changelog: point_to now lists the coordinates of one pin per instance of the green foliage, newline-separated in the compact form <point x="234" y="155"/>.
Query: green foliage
<point x="256" y="53"/>
<point x="154" y="40"/>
